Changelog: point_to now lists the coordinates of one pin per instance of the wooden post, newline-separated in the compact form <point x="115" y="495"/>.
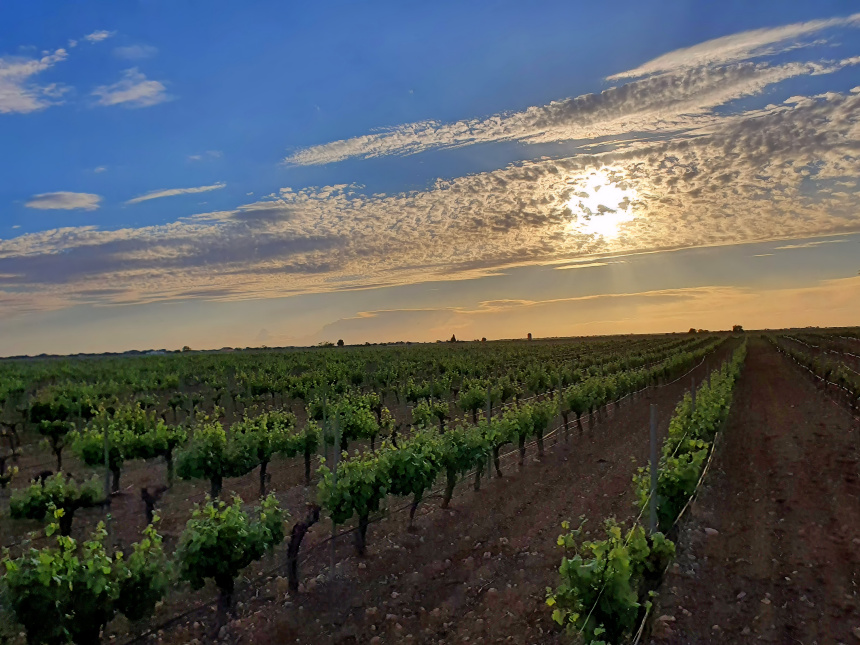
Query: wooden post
<point x="107" y="484"/>
<point x="489" y="416"/>
<point x="334" y="473"/>
<point x="652" y="524"/>
<point x="325" y="430"/>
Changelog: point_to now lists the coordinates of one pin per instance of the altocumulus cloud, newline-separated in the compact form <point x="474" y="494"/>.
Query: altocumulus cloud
<point x="134" y="90"/>
<point x="64" y="201"/>
<point x="746" y="179"/>
<point x="170" y="192"/>
<point x="98" y="36"/>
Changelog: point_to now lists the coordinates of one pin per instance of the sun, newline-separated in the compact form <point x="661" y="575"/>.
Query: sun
<point x="601" y="205"/>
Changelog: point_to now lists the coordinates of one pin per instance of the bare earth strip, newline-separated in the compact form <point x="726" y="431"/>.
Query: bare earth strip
<point x="784" y="497"/>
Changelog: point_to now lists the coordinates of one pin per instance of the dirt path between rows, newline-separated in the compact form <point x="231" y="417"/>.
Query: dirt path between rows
<point x="477" y="572"/>
<point x="783" y="495"/>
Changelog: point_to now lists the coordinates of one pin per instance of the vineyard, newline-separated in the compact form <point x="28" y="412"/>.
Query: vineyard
<point x="378" y="493"/>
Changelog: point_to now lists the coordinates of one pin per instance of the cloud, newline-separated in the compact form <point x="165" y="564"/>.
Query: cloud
<point x="209" y="154"/>
<point x="807" y="245"/>
<point x="18" y="93"/>
<point x="692" y="176"/>
<point x="156" y="194"/>
<point x="584" y="265"/>
<point x="98" y="36"/>
<point x="735" y="47"/>
<point x="750" y="178"/>
<point x="99" y="169"/>
<point x="668" y="104"/>
<point x="135" y="52"/>
<point x="671" y="95"/>
<point x="64" y="201"/>
<point x="134" y="91"/>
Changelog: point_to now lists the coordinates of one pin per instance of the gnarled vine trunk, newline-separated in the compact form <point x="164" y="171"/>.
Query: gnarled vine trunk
<point x="115" y="472"/>
<point x="449" y="486"/>
<point x="361" y="535"/>
<point x="216" y="483"/>
<point x="296" y="536"/>
<point x="416" y="500"/>
<point x="478" y="472"/>
<point x="264" y="465"/>
<point x="496" y="460"/>
<point x="225" y="601"/>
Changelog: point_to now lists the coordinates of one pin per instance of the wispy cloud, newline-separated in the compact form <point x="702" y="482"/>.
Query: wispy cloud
<point x="668" y="104"/>
<point x="134" y="90"/>
<point x="584" y="265"/>
<point x="98" y="36"/>
<point x="209" y="154"/>
<point x="807" y="245"/>
<point x="679" y="93"/>
<point x="18" y="92"/>
<point x="135" y="52"/>
<point x="716" y="307"/>
<point x="736" y="47"/>
<point x="157" y="194"/>
<point x="64" y="201"/>
<point x="99" y="169"/>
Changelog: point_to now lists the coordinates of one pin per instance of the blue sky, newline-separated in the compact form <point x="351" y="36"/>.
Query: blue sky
<point x="344" y="167"/>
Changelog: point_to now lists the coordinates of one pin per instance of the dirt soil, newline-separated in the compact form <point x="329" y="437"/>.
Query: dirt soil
<point x="771" y="549"/>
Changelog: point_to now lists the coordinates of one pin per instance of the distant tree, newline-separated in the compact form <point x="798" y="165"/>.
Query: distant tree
<point x="692" y="330"/>
<point x="737" y="328"/>
<point x="484" y="339"/>
<point x="186" y="348"/>
<point x="453" y="338"/>
<point x="530" y="336"/>
<point x="340" y="342"/>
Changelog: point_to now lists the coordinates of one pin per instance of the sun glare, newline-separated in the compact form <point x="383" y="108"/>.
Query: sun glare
<point x="601" y="206"/>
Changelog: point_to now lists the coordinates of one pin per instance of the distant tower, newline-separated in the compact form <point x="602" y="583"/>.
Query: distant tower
<point x="530" y="335"/>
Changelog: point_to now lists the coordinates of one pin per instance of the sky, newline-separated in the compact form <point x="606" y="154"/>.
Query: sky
<point x="271" y="173"/>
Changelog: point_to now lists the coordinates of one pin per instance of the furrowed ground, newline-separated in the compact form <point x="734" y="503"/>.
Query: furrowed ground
<point x="783" y="496"/>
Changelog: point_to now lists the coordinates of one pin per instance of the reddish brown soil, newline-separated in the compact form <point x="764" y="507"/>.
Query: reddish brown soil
<point x="784" y="495"/>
